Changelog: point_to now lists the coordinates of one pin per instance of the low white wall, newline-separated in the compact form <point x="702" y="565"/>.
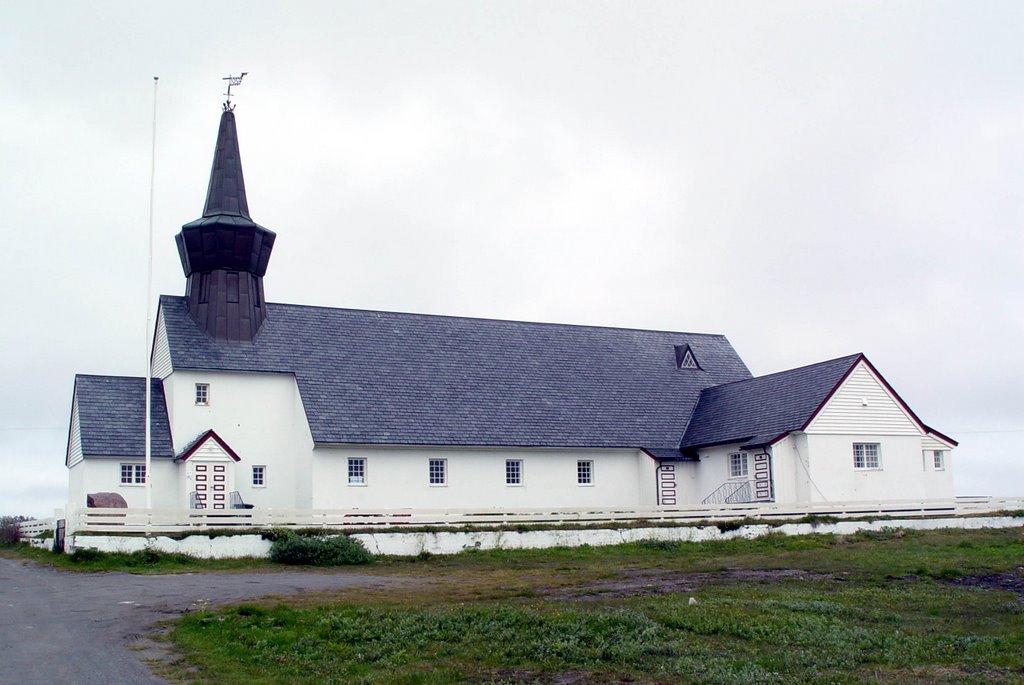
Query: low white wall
<point x="453" y="542"/>
<point x="202" y="546"/>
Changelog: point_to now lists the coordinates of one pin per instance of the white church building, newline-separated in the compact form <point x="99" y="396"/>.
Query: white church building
<point x="301" y="407"/>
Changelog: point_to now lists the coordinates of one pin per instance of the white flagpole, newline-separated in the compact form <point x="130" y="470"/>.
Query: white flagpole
<point x="149" y="320"/>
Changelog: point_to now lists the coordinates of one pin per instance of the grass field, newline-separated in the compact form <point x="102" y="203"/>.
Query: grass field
<point x="893" y="607"/>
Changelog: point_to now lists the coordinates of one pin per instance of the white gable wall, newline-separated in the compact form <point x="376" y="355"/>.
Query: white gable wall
<point x="261" y="417"/>
<point x="75" y="437"/>
<point x="863" y="404"/>
<point x="161" y="362"/>
<point x="397" y="477"/>
<point x="864" y="411"/>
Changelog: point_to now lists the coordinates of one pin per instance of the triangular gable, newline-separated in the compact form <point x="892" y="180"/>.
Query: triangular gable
<point x="864" y="402"/>
<point x="208" y="444"/>
<point x="160" y="354"/>
<point x="73" y="455"/>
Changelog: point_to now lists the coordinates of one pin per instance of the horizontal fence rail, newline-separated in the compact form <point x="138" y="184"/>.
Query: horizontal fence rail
<point x="134" y="520"/>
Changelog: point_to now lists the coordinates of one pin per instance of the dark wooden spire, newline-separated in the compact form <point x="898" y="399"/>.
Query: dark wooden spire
<point x="226" y="193"/>
<point x="225" y="253"/>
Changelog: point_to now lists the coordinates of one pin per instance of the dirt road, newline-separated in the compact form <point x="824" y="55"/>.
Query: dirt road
<point x="78" y="628"/>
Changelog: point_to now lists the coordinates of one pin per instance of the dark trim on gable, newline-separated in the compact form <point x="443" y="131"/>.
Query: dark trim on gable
<point x="202" y="440"/>
<point x="942" y="436"/>
<point x="899" y="400"/>
<point x="835" y="389"/>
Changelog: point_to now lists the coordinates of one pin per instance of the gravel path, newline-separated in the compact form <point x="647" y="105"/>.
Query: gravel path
<point x="76" y="628"/>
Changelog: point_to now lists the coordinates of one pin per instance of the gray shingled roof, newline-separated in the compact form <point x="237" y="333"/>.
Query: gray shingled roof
<point x="759" y="410"/>
<point x="387" y="378"/>
<point x="112" y="417"/>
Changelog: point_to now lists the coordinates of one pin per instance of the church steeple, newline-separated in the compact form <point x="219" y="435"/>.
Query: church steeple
<point x="225" y="253"/>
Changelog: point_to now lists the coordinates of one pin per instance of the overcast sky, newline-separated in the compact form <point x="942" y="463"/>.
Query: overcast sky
<point x="811" y="179"/>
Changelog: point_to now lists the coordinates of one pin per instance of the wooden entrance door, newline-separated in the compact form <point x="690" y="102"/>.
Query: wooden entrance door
<point x="211" y="481"/>
<point x="667" y="483"/>
<point x="764" y="487"/>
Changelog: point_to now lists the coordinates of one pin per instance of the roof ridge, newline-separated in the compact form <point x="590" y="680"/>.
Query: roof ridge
<point x="459" y="317"/>
<point x="105" y="375"/>
<point x="851" y="357"/>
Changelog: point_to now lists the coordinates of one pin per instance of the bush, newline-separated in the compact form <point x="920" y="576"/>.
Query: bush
<point x="319" y="551"/>
<point x="85" y="554"/>
<point x="10" y="533"/>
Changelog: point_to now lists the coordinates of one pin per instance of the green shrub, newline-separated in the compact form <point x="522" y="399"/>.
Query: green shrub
<point x="818" y="519"/>
<point x="10" y="532"/>
<point x="319" y="551"/>
<point x="82" y="554"/>
<point x="659" y="545"/>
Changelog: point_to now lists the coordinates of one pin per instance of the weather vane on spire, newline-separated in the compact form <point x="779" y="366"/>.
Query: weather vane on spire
<point x="232" y="81"/>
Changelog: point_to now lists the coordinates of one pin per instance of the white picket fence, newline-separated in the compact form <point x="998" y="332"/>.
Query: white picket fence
<point x="188" y="520"/>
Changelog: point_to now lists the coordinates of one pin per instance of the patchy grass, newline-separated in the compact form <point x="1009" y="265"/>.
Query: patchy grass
<point x="145" y="562"/>
<point x="883" y="607"/>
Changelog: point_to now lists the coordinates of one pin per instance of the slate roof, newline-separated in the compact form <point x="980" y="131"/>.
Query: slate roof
<point x="112" y="417"/>
<point x="759" y="410"/>
<point x="370" y="377"/>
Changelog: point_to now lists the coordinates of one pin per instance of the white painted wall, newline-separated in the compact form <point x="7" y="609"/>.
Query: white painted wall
<point x="902" y="473"/>
<point x="397" y="477"/>
<point x="700" y="478"/>
<point x="261" y="417"/>
<point x="819" y="468"/>
<point x="96" y="474"/>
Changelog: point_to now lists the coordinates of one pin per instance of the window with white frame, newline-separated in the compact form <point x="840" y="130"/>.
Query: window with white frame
<point x="133" y="474"/>
<point x="513" y="472"/>
<point x="357" y="471"/>
<point x="438" y="471"/>
<point x="867" y="455"/>
<point x="202" y="394"/>
<point x="939" y="460"/>
<point x="738" y="465"/>
<point x="259" y="476"/>
<point x="585" y="472"/>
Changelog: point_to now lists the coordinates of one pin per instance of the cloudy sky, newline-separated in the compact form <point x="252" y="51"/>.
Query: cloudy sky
<point x="811" y="179"/>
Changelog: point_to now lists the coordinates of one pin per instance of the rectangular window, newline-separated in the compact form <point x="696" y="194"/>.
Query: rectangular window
<point x="513" y="472"/>
<point x="866" y="455"/>
<point x="738" y="466"/>
<point x="259" y="476"/>
<point x="202" y="394"/>
<point x="357" y="471"/>
<point x="438" y="471"/>
<point x="133" y="474"/>
<point x="585" y="472"/>
<point x="939" y="460"/>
